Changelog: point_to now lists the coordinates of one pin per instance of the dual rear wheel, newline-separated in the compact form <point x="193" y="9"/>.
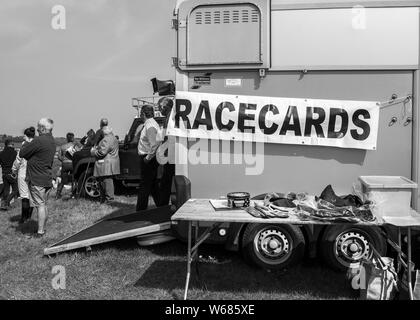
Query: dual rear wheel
<point x="273" y="246"/>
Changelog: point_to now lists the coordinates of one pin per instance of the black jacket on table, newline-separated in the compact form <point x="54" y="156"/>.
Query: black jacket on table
<point x="40" y="156"/>
<point x="7" y="157"/>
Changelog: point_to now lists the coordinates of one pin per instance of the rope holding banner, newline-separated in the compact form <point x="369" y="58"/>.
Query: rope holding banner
<point x="394" y="100"/>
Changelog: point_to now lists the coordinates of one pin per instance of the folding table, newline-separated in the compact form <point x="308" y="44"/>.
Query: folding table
<point x="196" y="211"/>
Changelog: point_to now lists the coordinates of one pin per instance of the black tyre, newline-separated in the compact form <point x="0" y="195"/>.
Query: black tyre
<point x="343" y="247"/>
<point x="88" y="185"/>
<point x="273" y="246"/>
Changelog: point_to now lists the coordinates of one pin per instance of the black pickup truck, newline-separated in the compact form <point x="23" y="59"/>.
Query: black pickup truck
<point x="83" y="163"/>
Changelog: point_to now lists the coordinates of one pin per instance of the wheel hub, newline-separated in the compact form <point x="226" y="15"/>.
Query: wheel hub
<point x="352" y="247"/>
<point x="273" y="244"/>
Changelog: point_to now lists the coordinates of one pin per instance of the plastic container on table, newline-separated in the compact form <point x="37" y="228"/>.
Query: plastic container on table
<point x="391" y="195"/>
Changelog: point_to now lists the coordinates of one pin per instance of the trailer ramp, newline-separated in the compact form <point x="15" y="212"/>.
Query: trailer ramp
<point x="116" y="228"/>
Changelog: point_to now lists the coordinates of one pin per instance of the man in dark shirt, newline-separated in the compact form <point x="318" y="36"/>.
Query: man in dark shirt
<point x="99" y="135"/>
<point x="7" y="157"/>
<point x="40" y="156"/>
<point x="66" y="163"/>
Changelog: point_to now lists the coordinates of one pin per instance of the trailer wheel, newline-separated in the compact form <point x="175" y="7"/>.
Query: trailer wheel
<point x="89" y="188"/>
<point x="273" y="246"/>
<point x="343" y="247"/>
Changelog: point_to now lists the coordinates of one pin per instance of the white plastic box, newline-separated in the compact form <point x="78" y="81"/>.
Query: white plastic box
<point x="391" y="195"/>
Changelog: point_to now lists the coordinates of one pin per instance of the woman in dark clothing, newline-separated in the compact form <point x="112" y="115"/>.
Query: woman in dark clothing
<point x="7" y="157"/>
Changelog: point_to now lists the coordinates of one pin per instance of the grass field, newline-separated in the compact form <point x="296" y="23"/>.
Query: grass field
<point x="123" y="270"/>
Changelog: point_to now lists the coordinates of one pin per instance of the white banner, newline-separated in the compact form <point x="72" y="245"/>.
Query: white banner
<point x="335" y="123"/>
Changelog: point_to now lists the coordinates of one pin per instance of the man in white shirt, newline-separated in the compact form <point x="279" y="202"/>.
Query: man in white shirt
<point x="147" y="147"/>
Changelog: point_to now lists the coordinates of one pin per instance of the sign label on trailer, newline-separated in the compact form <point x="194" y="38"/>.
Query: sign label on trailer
<point x="334" y="123"/>
<point x="202" y="80"/>
<point x="233" y="82"/>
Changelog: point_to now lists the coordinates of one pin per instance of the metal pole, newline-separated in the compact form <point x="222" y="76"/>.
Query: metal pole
<point x="410" y="288"/>
<point x="196" y="226"/>
<point x="187" y="282"/>
<point x="195" y="249"/>
<point x="416" y="136"/>
<point x="399" y="252"/>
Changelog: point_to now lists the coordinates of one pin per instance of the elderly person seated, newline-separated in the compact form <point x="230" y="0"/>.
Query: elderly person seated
<point x="107" y="164"/>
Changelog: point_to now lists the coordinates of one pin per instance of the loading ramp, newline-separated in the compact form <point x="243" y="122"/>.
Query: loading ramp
<point x="116" y="228"/>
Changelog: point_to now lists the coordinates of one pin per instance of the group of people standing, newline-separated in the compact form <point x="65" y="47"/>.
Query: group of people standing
<point x="151" y="139"/>
<point x="29" y="173"/>
<point x="103" y="145"/>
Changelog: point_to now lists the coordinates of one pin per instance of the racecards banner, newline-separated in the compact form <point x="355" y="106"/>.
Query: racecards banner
<point x="335" y="123"/>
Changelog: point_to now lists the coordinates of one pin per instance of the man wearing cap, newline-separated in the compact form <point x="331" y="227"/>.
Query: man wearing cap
<point x="40" y="156"/>
<point x="147" y="147"/>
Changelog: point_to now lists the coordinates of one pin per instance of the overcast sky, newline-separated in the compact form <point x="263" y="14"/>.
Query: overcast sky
<point x="108" y="53"/>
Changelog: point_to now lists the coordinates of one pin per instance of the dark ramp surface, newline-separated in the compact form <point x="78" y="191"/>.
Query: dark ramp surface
<point x="116" y="228"/>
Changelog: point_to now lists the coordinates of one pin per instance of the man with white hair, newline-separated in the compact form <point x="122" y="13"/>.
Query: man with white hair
<point x="40" y="156"/>
<point x="107" y="163"/>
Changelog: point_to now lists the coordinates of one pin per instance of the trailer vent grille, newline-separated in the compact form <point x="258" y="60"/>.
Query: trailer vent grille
<point x="224" y="34"/>
<point x="199" y="18"/>
<point x="255" y="16"/>
<point x="245" y="16"/>
<point x="235" y="16"/>
<point x="217" y="17"/>
<point x="227" y="16"/>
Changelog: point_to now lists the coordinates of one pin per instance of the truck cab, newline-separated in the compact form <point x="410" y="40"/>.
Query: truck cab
<point x="129" y="176"/>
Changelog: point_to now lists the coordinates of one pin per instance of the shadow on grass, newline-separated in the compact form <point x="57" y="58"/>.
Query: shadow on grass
<point x="29" y="227"/>
<point x="237" y="277"/>
<point x="14" y="218"/>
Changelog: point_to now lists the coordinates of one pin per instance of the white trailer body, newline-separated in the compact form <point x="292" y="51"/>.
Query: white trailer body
<point x="339" y="50"/>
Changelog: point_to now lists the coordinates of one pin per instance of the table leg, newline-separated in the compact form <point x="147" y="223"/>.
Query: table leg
<point x="409" y="264"/>
<point x="195" y="253"/>
<point x="399" y="252"/>
<point x="196" y="228"/>
<point x="187" y="282"/>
